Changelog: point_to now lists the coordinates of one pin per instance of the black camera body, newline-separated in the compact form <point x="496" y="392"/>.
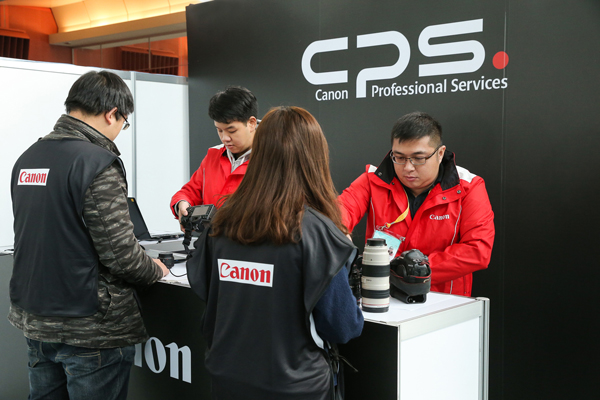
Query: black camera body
<point x="410" y="277"/>
<point x="198" y="217"/>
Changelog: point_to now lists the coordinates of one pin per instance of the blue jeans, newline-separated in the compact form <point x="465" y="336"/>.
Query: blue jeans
<point x="59" y="371"/>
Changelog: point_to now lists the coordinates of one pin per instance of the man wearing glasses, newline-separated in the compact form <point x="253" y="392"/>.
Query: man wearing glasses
<point x="76" y="259"/>
<point x="418" y="198"/>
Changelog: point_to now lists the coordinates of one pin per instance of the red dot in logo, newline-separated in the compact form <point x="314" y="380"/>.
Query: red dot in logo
<point x="500" y="60"/>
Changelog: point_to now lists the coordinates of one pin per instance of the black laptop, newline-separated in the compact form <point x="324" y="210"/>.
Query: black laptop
<point x="140" y="230"/>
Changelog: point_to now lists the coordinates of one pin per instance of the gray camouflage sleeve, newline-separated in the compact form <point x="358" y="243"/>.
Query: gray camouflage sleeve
<point x="106" y="215"/>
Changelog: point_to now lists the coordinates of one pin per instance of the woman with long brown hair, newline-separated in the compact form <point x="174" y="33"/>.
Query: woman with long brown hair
<point x="272" y="270"/>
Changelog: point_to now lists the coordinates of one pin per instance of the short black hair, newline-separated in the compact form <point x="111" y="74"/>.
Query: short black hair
<point x="95" y="93"/>
<point x="415" y="126"/>
<point x="233" y="104"/>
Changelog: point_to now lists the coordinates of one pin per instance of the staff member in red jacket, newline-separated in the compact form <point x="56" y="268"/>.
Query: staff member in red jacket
<point x="418" y="198"/>
<point x="234" y="112"/>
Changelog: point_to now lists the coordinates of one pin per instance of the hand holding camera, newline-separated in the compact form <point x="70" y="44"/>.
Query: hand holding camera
<point x="194" y="220"/>
<point x="182" y="207"/>
<point x="197" y="217"/>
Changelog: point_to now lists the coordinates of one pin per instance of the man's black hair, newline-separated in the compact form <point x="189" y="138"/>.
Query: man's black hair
<point x="415" y="126"/>
<point x="95" y="93"/>
<point x="233" y="104"/>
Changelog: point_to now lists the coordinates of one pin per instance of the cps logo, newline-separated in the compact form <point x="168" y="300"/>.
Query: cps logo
<point x="472" y="47"/>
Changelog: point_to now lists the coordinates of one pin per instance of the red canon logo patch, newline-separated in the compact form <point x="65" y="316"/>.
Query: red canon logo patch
<point x="246" y="272"/>
<point x="34" y="177"/>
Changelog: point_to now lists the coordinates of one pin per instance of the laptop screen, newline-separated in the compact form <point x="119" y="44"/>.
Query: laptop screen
<point x="140" y="230"/>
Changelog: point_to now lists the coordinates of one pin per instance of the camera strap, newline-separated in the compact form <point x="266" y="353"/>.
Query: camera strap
<point x="187" y="239"/>
<point x="337" y="358"/>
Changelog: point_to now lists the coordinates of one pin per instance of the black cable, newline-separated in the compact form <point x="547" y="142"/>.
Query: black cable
<point x="177" y="276"/>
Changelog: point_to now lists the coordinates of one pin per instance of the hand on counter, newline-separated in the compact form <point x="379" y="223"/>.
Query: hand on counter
<point x="162" y="266"/>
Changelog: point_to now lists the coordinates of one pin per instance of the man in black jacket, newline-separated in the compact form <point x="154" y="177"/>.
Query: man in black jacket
<point x="76" y="258"/>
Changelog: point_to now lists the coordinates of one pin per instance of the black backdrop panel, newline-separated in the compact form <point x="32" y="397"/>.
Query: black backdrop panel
<point x="552" y="218"/>
<point x="536" y="126"/>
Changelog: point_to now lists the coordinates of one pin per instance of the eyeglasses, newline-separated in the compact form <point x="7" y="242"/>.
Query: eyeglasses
<point x="126" y="124"/>
<point x="413" y="160"/>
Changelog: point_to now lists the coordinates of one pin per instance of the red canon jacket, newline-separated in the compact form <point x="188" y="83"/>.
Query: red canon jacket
<point x="211" y="181"/>
<point x="454" y="227"/>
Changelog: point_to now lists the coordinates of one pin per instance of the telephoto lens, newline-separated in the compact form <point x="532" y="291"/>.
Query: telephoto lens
<point x="376" y="277"/>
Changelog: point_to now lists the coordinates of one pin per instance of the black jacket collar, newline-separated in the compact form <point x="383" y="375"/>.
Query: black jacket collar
<point x="68" y="127"/>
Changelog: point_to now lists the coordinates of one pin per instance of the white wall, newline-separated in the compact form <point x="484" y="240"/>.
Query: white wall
<point x="155" y="149"/>
<point x="162" y="149"/>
